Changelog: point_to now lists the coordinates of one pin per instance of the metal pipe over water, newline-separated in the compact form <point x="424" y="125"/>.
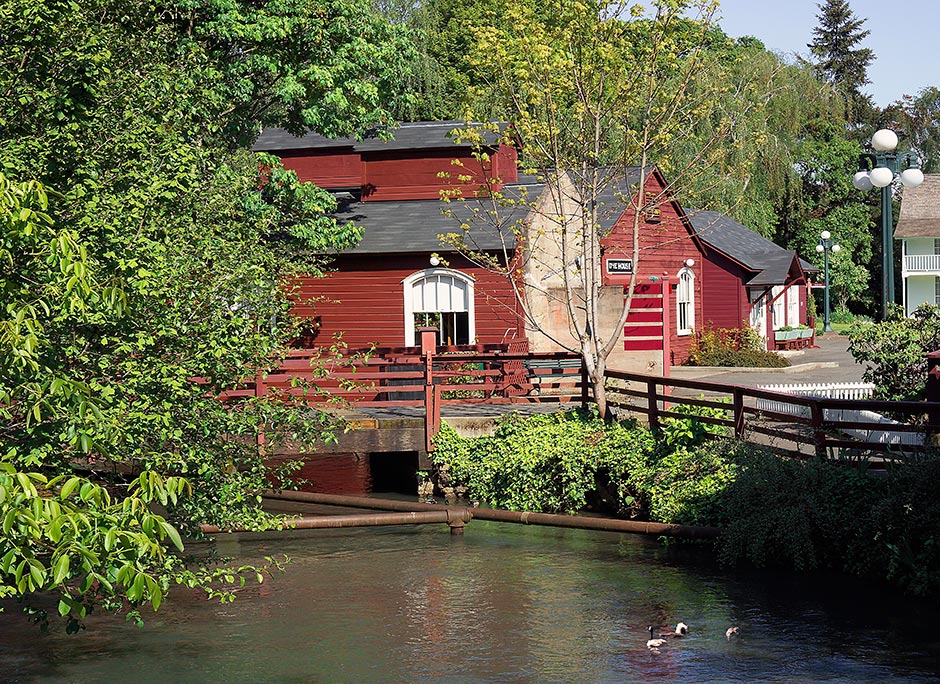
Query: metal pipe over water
<point x="464" y="514"/>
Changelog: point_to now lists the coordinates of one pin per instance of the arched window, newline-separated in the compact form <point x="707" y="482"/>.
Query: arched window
<point x="442" y="298"/>
<point x="685" y="302"/>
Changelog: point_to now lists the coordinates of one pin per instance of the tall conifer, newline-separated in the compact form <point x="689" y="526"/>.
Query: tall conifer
<point x="838" y="58"/>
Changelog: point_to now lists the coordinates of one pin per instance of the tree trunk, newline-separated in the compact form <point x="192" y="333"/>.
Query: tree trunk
<point x="600" y="395"/>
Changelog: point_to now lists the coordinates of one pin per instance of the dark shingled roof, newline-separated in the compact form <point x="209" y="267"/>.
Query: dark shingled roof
<point x="415" y="225"/>
<point x="752" y="250"/>
<point x="614" y="197"/>
<point x="409" y="136"/>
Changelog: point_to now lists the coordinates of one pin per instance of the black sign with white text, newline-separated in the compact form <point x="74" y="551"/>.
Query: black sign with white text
<point x="619" y="266"/>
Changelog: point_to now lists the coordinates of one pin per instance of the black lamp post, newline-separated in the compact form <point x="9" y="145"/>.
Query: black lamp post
<point x="879" y="170"/>
<point x="825" y="246"/>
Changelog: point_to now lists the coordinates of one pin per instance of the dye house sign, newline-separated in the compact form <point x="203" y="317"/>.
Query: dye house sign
<point x="619" y="266"/>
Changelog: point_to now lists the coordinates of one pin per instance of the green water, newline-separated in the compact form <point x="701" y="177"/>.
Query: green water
<point x="501" y="604"/>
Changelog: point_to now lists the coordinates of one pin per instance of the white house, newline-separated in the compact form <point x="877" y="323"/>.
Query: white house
<point x="918" y="230"/>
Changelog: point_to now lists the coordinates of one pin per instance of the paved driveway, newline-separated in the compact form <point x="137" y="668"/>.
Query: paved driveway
<point x="829" y="362"/>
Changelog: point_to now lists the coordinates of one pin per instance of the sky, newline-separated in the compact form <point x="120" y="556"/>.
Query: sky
<point x="903" y="36"/>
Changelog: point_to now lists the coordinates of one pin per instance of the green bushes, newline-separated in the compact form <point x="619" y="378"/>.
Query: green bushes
<point x="893" y="352"/>
<point x="737" y="347"/>
<point x="541" y="463"/>
<point x="823" y="515"/>
<point x="742" y="358"/>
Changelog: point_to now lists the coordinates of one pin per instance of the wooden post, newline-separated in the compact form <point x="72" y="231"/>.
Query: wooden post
<point x="819" y="434"/>
<point x="667" y="328"/>
<point x="653" y="404"/>
<point x="738" y="403"/>
<point x="261" y="390"/>
<point x="933" y="395"/>
<point x="584" y="385"/>
<point x="431" y="406"/>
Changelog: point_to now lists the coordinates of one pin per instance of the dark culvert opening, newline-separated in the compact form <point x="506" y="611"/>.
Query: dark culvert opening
<point x="394" y="472"/>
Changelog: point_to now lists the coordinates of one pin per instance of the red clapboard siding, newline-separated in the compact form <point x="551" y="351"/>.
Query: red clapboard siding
<point x="400" y="175"/>
<point x="646" y="307"/>
<point x="327" y="170"/>
<point x="665" y="244"/>
<point x="724" y="301"/>
<point x="642" y="315"/>
<point x="364" y="300"/>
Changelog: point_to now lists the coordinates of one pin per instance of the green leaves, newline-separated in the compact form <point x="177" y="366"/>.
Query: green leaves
<point x="540" y="463"/>
<point x="146" y="262"/>
<point x="893" y="352"/>
<point x="81" y="541"/>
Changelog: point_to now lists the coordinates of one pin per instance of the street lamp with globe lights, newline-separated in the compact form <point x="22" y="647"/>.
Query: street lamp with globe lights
<point x="825" y="246"/>
<point x="879" y="170"/>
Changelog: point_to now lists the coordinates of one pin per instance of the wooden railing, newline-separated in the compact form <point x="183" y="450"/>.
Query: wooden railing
<point x="431" y="378"/>
<point x="799" y="426"/>
<point x="398" y="377"/>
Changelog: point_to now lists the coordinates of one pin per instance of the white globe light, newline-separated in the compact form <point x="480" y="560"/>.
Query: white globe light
<point x="884" y="140"/>
<point x="912" y="177"/>
<point x="881" y="177"/>
<point x="861" y="181"/>
<point x="825" y="235"/>
<point x="820" y="248"/>
<point x="836" y="248"/>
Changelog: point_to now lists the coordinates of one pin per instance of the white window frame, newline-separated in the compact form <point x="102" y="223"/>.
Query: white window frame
<point x="778" y="313"/>
<point x="412" y="281"/>
<point x="936" y="290"/>
<point x="685" y="295"/>
<point x="793" y="306"/>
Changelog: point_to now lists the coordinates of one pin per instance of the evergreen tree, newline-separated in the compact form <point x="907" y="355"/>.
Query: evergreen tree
<point x="839" y="60"/>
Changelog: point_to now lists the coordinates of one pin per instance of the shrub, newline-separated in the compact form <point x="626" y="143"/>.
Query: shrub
<point x="846" y="316"/>
<point x="686" y="485"/>
<point x="744" y="358"/>
<point x="680" y="433"/>
<point x="893" y="352"/>
<point x="821" y="514"/>
<point x="709" y="340"/>
<point x="545" y="463"/>
<point x="739" y="347"/>
<point x="802" y="514"/>
<point x="773" y="511"/>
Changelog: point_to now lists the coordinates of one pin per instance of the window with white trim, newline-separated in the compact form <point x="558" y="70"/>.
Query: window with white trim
<point x="442" y="298"/>
<point x="685" y="302"/>
<point x="936" y="291"/>
<point x="936" y="245"/>
<point x="777" y="312"/>
<point x="793" y="306"/>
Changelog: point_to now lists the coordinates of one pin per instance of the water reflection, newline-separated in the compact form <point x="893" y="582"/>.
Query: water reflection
<point x="501" y="604"/>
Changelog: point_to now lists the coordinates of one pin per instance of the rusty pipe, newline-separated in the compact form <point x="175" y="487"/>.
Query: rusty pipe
<point x="455" y="517"/>
<point x="519" y="517"/>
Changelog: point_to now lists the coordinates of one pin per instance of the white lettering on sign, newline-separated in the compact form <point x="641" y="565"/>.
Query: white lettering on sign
<point x="619" y="266"/>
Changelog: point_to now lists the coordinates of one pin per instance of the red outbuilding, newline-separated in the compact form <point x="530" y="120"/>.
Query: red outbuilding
<point x="692" y="270"/>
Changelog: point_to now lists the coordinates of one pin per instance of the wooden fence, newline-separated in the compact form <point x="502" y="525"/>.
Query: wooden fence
<point x="796" y="425"/>
<point x="430" y="378"/>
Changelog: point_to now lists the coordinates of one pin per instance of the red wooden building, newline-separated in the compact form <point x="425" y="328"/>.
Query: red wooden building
<point x="401" y="276"/>
<point x="749" y="278"/>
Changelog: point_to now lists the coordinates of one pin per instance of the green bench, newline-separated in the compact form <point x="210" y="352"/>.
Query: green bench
<point x="541" y="371"/>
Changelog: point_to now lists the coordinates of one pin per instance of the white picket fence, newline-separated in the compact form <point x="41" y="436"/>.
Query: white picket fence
<point x="841" y="390"/>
